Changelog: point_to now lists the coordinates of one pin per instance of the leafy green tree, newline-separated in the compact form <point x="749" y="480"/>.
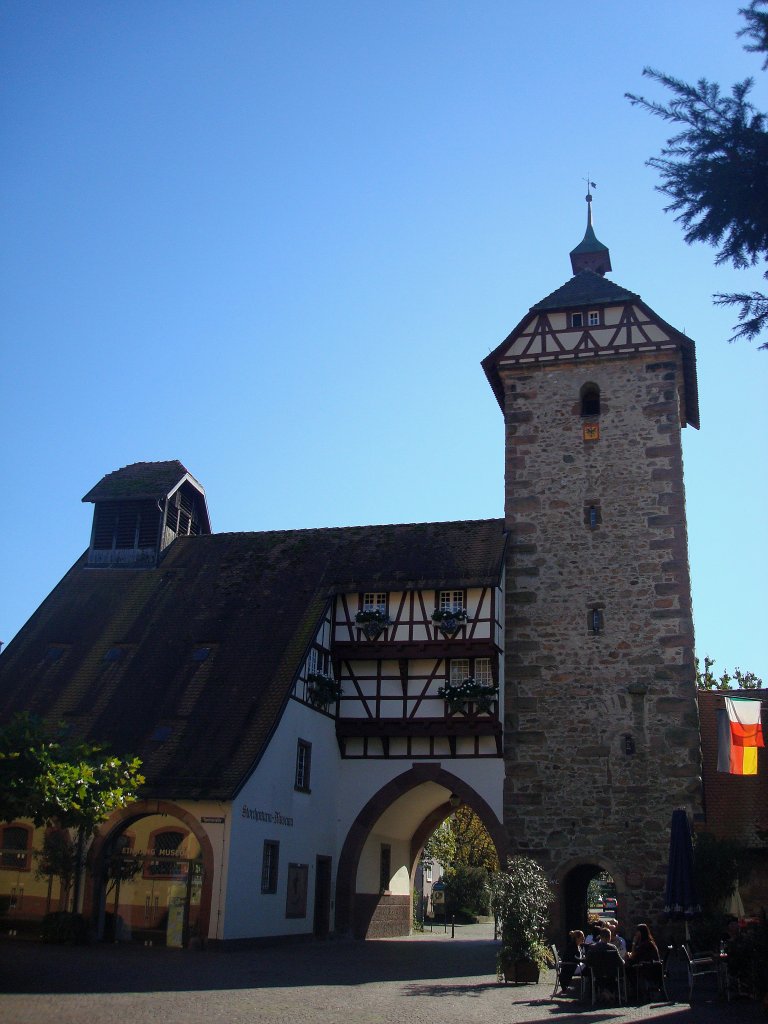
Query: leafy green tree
<point x="707" y="680"/>
<point x="466" y="890"/>
<point x="462" y="839"/>
<point x="474" y="846"/>
<point x="441" y="845"/>
<point x="50" y="778"/>
<point x="715" y="170"/>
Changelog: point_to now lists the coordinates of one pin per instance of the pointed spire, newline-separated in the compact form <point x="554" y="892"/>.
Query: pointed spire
<point x="590" y="254"/>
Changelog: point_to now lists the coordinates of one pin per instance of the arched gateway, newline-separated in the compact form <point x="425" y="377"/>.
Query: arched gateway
<point x="419" y="799"/>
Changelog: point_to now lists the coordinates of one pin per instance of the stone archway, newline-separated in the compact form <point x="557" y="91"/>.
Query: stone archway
<point x="573" y="878"/>
<point x="123" y="819"/>
<point x="349" y="915"/>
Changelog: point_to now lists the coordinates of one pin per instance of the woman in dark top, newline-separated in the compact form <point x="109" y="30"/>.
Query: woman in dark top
<point x="644" y="948"/>
<point x="644" y="952"/>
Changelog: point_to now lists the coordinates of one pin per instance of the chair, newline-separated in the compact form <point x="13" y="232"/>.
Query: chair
<point x="559" y="964"/>
<point x="700" y="964"/>
<point x="611" y="966"/>
<point x="651" y="976"/>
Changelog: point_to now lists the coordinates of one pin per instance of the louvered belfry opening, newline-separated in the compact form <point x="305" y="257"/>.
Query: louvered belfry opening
<point x="126" y="524"/>
<point x="140" y="509"/>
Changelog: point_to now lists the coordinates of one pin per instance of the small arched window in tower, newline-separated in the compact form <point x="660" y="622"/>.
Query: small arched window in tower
<point x="595" y="621"/>
<point x="593" y="516"/>
<point x="590" y="400"/>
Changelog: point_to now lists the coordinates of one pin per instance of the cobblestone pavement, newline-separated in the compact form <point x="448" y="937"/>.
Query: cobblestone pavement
<point x="427" y="978"/>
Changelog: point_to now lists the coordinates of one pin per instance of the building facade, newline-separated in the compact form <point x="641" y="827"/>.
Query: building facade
<point x="310" y="705"/>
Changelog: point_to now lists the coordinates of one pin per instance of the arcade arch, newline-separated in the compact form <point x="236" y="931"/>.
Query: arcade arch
<point x="378" y="859"/>
<point x="152" y="869"/>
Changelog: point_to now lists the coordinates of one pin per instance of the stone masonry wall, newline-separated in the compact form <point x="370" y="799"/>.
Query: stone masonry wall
<point x="573" y="794"/>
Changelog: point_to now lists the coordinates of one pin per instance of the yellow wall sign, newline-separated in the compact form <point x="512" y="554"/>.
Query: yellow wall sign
<point x="590" y="431"/>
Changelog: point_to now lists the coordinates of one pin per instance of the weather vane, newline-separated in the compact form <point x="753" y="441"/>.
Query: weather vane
<point x="590" y="185"/>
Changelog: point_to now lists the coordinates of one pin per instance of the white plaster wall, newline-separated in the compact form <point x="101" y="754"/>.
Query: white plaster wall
<point x="307" y="827"/>
<point x="360" y="780"/>
<point x="368" y="868"/>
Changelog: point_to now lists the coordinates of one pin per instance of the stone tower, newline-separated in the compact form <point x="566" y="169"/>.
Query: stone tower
<point x="601" y="724"/>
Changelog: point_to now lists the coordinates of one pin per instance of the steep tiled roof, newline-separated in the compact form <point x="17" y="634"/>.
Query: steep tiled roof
<point x="585" y="289"/>
<point x="140" y="480"/>
<point x="112" y="651"/>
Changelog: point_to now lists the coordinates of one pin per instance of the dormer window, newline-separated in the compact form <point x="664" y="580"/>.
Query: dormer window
<point x="590" y="400"/>
<point x="577" y="319"/>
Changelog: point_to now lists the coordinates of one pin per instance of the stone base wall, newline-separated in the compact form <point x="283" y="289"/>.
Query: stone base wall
<point x="601" y="725"/>
<point x="382" y="917"/>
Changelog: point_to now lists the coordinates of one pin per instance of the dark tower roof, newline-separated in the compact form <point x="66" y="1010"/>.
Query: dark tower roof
<point x="590" y="254"/>
<point x="153" y="480"/>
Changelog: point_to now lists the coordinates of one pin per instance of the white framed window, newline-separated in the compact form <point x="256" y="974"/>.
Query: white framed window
<point x="593" y="318"/>
<point x="459" y="671"/>
<point x="269" y="862"/>
<point x="483" y="671"/>
<point x="427" y="872"/>
<point x="303" y="760"/>
<point x="375" y="602"/>
<point x="451" y="600"/>
<point x="312" y="665"/>
<point x="577" y="319"/>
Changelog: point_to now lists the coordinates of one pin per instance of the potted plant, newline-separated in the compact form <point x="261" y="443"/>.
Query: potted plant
<point x="372" y="621"/>
<point x="520" y="897"/>
<point x="322" y="690"/>
<point x="459" y="696"/>
<point x="449" y="620"/>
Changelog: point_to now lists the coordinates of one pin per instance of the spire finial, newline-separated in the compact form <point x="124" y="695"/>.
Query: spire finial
<point x="590" y="254"/>
<point x="588" y="197"/>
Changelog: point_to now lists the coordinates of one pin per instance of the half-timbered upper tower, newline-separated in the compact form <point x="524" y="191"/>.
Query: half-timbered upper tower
<point x="601" y="729"/>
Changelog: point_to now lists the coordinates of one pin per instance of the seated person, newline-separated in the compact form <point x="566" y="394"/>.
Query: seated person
<point x="604" y="960"/>
<point x="571" y="958"/>
<point x="644" y="948"/>
<point x="644" y="952"/>
<point x="613" y="925"/>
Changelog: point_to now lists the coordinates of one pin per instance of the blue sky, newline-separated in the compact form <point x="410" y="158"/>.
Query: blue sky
<point x="275" y="240"/>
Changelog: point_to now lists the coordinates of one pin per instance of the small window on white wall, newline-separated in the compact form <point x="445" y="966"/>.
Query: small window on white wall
<point x="374" y="602"/>
<point x="483" y="671"/>
<point x="303" y="761"/>
<point x="594" y="318"/>
<point x="459" y="670"/>
<point x="451" y="600"/>
<point x="312" y="665"/>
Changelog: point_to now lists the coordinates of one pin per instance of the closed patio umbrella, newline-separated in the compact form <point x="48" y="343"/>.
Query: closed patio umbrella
<point x="681" y="901"/>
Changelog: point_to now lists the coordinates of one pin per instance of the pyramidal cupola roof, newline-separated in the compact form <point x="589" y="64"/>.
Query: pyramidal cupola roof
<point x="590" y="253"/>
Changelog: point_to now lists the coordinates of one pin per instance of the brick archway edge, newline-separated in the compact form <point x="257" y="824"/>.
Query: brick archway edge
<point x="346" y="876"/>
<point x="143" y="809"/>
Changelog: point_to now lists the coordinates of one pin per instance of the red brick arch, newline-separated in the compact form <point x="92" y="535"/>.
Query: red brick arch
<point x="120" y="820"/>
<point x="349" y="858"/>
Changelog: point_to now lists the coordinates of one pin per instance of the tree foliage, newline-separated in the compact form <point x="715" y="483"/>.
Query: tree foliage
<point x="48" y="777"/>
<point x="462" y="839"/>
<point x="715" y="170"/>
<point x="707" y="680"/>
